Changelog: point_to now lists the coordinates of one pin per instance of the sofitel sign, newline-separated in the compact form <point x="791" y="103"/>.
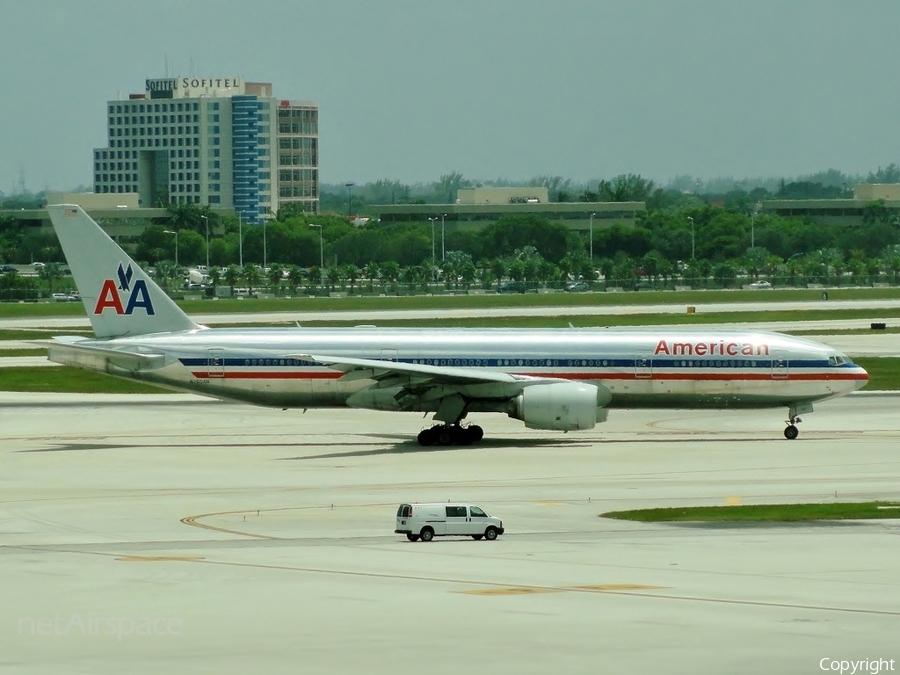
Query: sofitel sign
<point x="166" y="87"/>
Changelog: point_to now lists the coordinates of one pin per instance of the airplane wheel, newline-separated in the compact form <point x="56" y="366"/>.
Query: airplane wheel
<point x="476" y="433"/>
<point x="426" y="437"/>
<point x="461" y="436"/>
<point x="791" y="432"/>
<point x="445" y="436"/>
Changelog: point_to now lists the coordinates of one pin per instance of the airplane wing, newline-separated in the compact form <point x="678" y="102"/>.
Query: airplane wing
<point x="69" y="351"/>
<point x="375" y="369"/>
<point x="449" y="390"/>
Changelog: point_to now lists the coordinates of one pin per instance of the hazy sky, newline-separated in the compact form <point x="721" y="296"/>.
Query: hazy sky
<point x="491" y="88"/>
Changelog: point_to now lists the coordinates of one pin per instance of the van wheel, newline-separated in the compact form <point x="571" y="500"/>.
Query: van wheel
<point x="412" y="537"/>
<point x="477" y="537"/>
<point x="427" y="534"/>
<point x="490" y="534"/>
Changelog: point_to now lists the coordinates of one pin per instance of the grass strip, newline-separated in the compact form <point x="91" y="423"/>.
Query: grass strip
<point x="63" y="379"/>
<point x="553" y="299"/>
<point x="762" y="513"/>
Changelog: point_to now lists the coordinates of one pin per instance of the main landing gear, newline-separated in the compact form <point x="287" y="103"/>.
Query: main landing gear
<point x="451" y="434"/>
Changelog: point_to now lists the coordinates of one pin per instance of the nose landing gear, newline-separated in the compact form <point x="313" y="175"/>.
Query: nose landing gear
<point x="791" y="431"/>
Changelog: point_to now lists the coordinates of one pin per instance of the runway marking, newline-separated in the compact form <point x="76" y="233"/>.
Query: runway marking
<point x="160" y="558"/>
<point x="614" y="588"/>
<point x="548" y="502"/>
<point x="512" y="590"/>
<point x="192" y="521"/>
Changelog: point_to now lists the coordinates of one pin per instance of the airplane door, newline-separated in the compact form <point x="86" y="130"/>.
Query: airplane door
<point x="215" y="363"/>
<point x="643" y="368"/>
<point x="779" y="368"/>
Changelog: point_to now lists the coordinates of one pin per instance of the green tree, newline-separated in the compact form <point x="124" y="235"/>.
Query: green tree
<point x="276" y="275"/>
<point x="626" y="188"/>
<point x="51" y="272"/>
<point x="253" y="275"/>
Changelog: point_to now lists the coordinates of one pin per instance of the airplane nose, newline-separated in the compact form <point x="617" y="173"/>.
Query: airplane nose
<point x="863" y="378"/>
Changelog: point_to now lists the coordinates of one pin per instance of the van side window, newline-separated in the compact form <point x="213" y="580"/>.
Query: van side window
<point x="456" y="511"/>
<point x="477" y="513"/>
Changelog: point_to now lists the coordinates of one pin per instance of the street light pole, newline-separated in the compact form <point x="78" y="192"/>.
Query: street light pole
<point x="265" y="253"/>
<point x="753" y="224"/>
<point x="240" y="240"/>
<point x="591" y="238"/>
<point x="691" y="220"/>
<point x="175" y="232"/>
<point x="349" y="198"/>
<point x="207" y="242"/>
<point x="433" y="220"/>
<point x="443" y="254"/>
<point x="321" y="255"/>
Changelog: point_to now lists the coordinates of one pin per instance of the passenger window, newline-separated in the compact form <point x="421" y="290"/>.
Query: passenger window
<point x="456" y="511"/>
<point x="477" y="513"/>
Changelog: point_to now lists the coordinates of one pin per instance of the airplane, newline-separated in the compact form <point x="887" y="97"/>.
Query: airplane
<point x="556" y="379"/>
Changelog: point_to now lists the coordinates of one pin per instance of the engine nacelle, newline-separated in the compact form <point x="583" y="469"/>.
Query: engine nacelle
<point x="560" y="406"/>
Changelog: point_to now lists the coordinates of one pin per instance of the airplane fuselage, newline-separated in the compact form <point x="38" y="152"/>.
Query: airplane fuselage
<point x="640" y="367"/>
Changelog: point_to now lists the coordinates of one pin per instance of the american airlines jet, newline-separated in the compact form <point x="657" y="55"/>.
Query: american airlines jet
<point x="557" y="379"/>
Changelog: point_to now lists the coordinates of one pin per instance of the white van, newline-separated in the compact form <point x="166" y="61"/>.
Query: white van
<point x="427" y="521"/>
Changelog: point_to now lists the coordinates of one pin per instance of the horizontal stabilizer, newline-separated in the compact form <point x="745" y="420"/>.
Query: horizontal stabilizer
<point x="71" y="352"/>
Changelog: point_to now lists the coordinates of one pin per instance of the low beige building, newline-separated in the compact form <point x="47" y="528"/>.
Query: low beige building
<point x="871" y="192"/>
<point x="503" y="195"/>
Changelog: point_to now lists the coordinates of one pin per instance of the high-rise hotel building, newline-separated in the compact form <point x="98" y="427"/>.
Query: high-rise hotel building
<point x="221" y="141"/>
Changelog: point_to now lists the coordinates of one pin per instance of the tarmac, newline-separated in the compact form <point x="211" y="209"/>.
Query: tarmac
<point x="155" y="533"/>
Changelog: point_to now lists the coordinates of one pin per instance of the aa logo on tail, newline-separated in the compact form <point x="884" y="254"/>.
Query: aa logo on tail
<point x="135" y="295"/>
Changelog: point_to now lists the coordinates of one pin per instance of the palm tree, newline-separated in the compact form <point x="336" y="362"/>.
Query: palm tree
<point x="252" y="274"/>
<point x="276" y="274"/>
<point x="390" y="271"/>
<point x="371" y="273"/>
<point x="215" y="276"/>
<point x="232" y="274"/>
<point x="295" y="276"/>
<point x="498" y="268"/>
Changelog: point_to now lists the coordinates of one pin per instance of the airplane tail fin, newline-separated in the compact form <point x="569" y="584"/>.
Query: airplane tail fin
<point x="119" y="297"/>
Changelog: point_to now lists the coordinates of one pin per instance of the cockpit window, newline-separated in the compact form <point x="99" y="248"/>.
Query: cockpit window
<point x="837" y="360"/>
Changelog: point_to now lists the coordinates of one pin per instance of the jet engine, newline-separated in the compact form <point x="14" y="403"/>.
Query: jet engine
<point x="560" y="406"/>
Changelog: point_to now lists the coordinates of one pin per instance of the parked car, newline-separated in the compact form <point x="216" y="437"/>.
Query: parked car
<point x="759" y="284"/>
<point x="427" y="521"/>
<point x="577" y="287"/>
<point x="513" y="287"/>
<point x="5" y="269"/>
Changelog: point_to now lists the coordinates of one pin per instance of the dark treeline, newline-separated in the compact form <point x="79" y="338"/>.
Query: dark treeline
<point x="712" y="239"/>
